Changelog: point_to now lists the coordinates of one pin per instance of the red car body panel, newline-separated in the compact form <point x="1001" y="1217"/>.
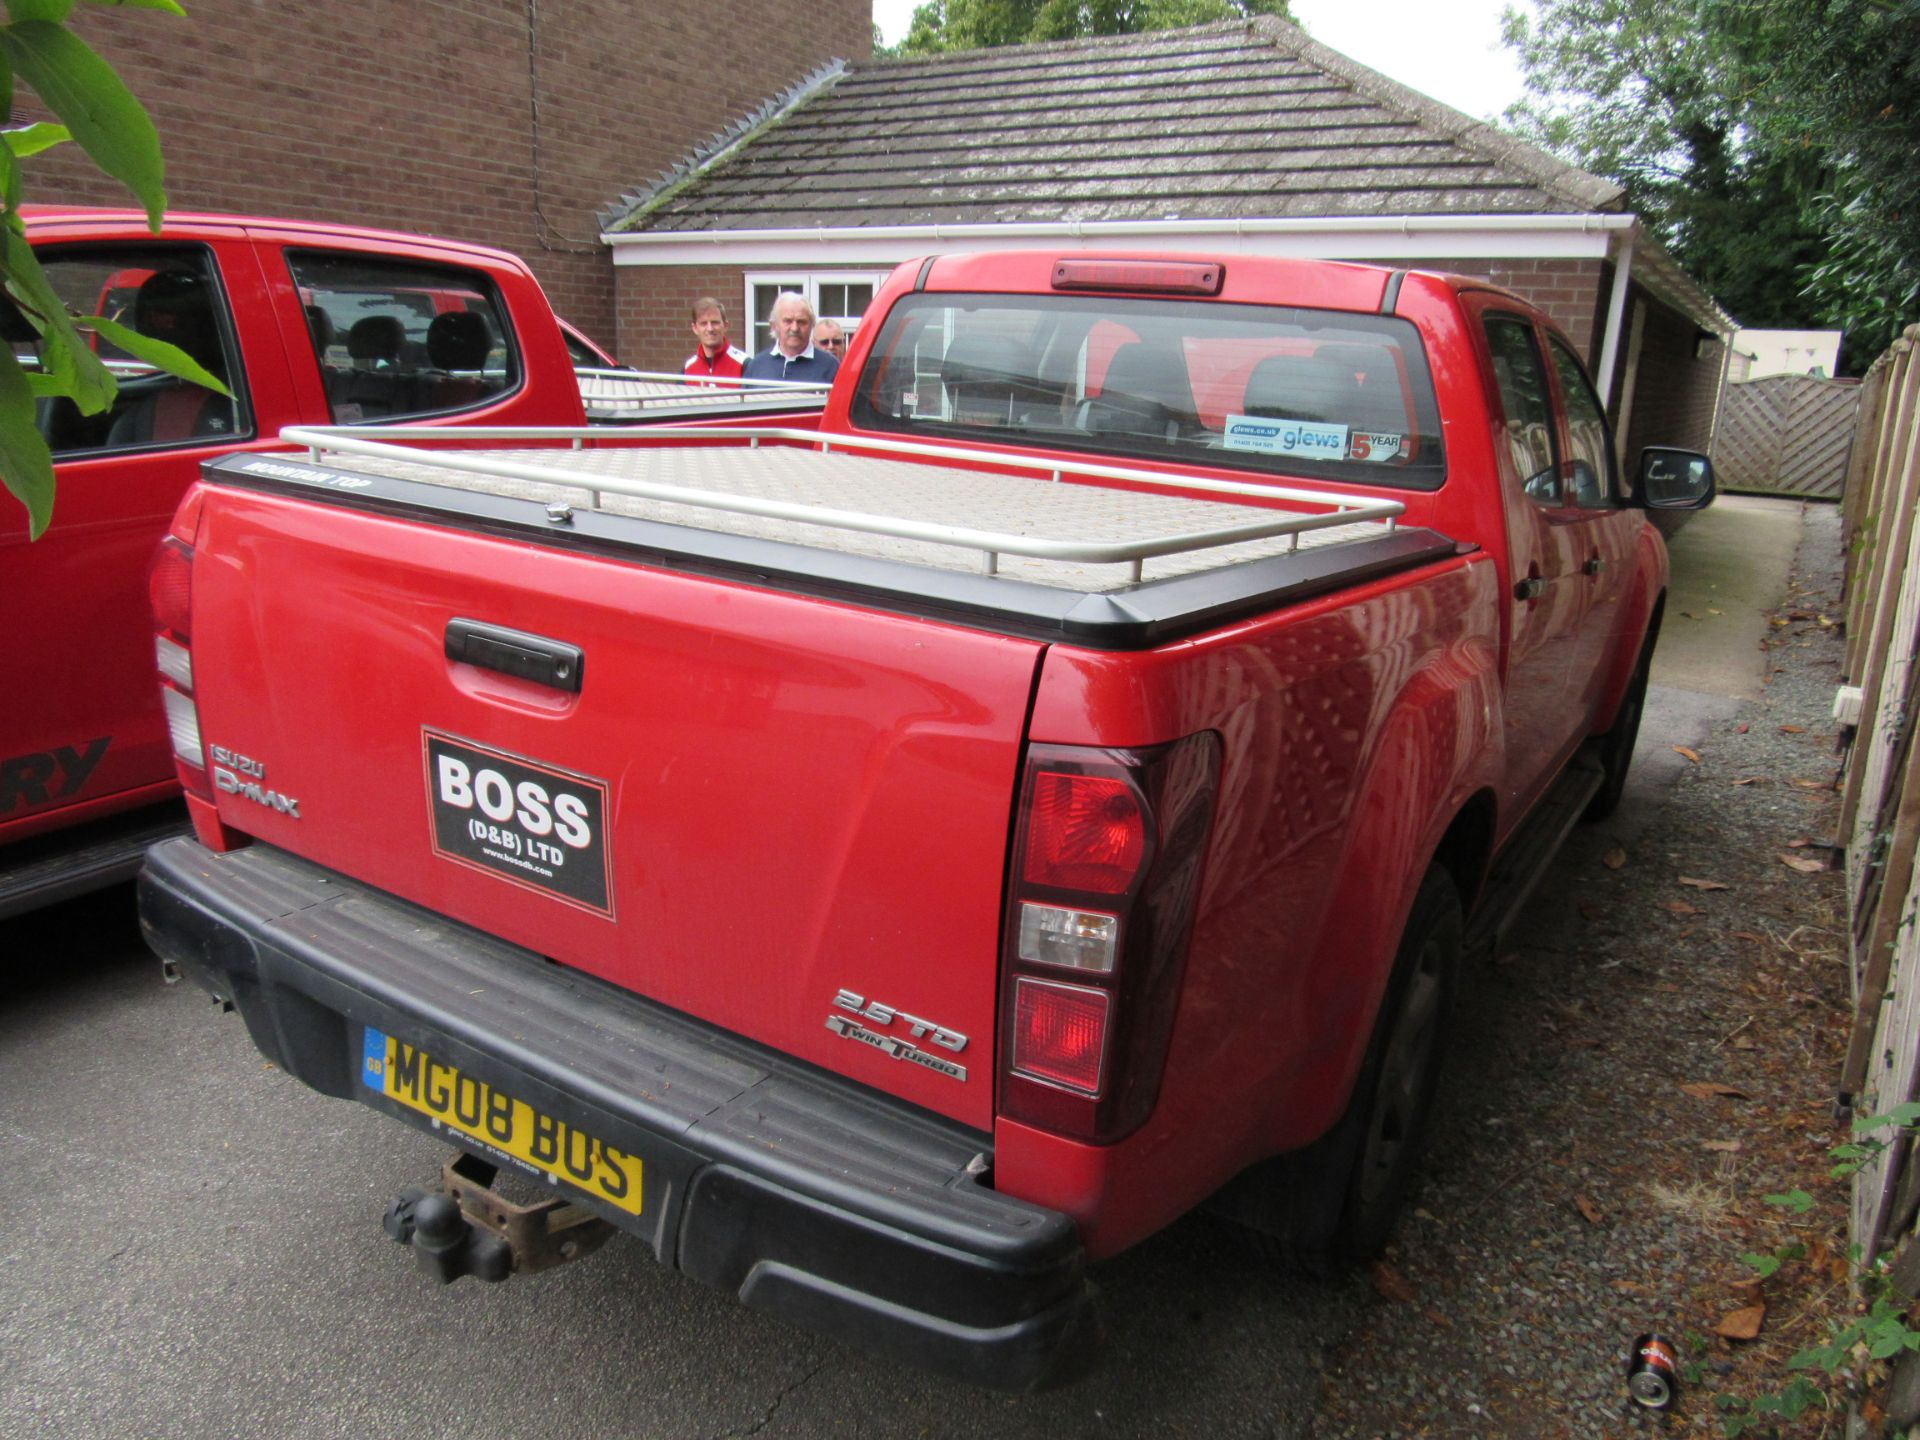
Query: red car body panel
<point x="752" y="740"/>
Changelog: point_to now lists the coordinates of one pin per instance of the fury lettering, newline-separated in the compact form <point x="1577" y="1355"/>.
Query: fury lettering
<point x="26" y="779"/>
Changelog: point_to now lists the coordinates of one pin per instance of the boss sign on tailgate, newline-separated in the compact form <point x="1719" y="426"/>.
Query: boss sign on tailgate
<point x="533" y="824"/>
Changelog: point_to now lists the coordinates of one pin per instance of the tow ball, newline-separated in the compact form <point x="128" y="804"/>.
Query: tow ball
<point x="467" y="1228"/>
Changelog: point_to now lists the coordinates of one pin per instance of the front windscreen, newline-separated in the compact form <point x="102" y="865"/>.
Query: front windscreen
<point x="1286" y="391"/>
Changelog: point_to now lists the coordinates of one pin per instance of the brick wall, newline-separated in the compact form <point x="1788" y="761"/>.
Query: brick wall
<point x="1676" y="392"/>
<point x="1572" y="292"/>
<point x="421" y="114"/>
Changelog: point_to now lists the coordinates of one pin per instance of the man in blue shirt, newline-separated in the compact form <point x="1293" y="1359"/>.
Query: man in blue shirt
<point x="792" y="356"/>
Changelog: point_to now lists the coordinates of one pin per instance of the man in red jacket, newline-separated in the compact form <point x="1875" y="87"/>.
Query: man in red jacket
<point x="714" y="357"/>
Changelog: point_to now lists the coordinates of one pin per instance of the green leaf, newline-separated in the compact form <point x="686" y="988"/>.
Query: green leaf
<point x="52" y="11"/>
<point x="1905" y="1113"/>
<point x="26" y="465"/>
<point x="170" y="358"/>
<point x="66" y="357"/>
<point x="82" y="90"/>
<point x="1765" y="1264"/>
<point x="1798" y="1201"/>
<point x="1884" y="1346"/>
<point x="11" y="186"/>
<point x="32" y="139"/>
<point x="167" y="5"/>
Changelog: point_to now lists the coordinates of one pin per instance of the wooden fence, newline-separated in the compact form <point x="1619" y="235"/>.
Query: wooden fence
<point x="1880" y="808"/>
<point x="1787" y="435"/>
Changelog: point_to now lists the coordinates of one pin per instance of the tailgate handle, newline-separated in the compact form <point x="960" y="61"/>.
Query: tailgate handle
<point x="553" y="663"/>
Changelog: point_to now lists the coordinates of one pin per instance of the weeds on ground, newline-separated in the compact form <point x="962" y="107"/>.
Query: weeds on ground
<point x="1861" y="1341"/>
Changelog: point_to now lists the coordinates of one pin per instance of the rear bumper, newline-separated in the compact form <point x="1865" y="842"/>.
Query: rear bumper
<point x="803" y="1193"/>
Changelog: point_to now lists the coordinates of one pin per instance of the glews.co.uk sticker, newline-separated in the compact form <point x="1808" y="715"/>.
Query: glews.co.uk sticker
<point x="1302" y="438"/>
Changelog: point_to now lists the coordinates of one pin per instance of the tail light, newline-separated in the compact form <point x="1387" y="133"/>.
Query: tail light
<point x="1106" y="865"/>
<point x="170" y="593"/>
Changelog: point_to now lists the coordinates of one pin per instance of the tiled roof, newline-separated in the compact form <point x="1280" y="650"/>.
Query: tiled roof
<point x="1245" y="119"/>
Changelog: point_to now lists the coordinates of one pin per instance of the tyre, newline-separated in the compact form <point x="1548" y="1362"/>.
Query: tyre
<point x="1335" y="1202"/>
<point x="1614" y="749"/>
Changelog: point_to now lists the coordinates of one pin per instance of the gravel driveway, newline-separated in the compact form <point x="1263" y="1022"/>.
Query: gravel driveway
<point x="1579" y="1192"/>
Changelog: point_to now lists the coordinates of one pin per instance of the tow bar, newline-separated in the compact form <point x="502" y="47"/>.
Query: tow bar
<point x="466" y="1228"/>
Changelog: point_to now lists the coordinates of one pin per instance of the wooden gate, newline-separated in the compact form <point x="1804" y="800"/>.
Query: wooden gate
<point x="1786" y="435"/>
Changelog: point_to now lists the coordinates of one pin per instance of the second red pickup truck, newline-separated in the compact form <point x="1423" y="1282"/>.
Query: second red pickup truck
<point x="888" y="867"/>
<point x="305" y="323"/>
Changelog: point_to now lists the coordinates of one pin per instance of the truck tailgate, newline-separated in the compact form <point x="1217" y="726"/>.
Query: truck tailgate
<point x="752" y="802"/>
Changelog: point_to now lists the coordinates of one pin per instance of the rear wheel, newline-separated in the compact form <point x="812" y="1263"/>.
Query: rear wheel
<point x="1335" y="1202"/>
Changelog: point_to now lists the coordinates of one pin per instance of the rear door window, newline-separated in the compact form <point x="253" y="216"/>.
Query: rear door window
<point x="1590" y="473"/>
<point x="1525" y="397"/>
<point x="395" y="339"/>
<point x="170" y="293"/>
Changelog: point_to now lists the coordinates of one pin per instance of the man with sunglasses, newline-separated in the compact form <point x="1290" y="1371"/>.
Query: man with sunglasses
<point x="830" y="337"/>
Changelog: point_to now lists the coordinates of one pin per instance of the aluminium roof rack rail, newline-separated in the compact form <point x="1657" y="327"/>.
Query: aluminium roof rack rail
<point x="730" y="454"/>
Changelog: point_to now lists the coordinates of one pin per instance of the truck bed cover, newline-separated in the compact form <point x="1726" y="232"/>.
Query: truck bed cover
<point x="1117" y="566"/>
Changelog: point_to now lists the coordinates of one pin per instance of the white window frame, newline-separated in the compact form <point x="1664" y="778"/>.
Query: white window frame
<point x="807" y="283"/>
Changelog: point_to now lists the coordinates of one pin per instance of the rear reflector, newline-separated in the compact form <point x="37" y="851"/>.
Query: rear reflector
<point x="175" y="661"/>
<point x="1060" y="1034"/>
<point x="183" y="725"/>
<point x="1146" y="277"/>
<point x="1085" y="832"/>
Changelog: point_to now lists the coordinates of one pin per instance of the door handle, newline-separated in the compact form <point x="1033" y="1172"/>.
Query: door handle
<point x="547" y="662"/>
<point x="1594" y="566"/>
<point x="1531" y="588"/>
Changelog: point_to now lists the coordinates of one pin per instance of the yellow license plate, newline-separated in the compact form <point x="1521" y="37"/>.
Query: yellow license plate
<point x="498" y="1122"/>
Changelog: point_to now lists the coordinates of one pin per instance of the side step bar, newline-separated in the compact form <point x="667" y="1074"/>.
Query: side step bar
<point x="58" y="866"/>
<point x="1526" y="857"/>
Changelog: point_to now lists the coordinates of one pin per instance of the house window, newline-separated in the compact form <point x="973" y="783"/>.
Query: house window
<point x="840" y="295"/>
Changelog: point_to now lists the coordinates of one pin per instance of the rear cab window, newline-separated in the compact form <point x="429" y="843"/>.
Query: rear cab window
<point x="165" y="292"/>
<point x="1273" y="389"/>
<point x="397" y="338"/>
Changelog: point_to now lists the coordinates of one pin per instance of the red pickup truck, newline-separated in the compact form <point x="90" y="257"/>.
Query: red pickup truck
<point x="305" y="323"/>
<point x="888" y="867"/>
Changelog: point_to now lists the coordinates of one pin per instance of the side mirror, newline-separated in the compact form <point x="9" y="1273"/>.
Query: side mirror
<point x="1674" y="479"/>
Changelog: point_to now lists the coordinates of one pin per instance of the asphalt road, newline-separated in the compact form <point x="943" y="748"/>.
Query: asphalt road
<point x="190" y="1241"/>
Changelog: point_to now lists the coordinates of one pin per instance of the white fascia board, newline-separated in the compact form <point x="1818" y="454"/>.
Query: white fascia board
<point x="1370" y="237"/>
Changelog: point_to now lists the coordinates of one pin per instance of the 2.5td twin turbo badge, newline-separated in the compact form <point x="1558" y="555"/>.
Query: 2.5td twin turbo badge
<point x="531" y="823"/>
